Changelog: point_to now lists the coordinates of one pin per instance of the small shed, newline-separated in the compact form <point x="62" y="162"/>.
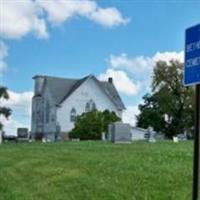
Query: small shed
<point x="119" y="132"/>
<point x="138" y="133"/>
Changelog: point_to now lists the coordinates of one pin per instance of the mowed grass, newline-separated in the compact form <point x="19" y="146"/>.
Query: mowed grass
<point x="96" y="171"/>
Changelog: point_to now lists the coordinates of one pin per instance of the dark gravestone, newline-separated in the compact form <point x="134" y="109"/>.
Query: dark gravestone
<point x="22" y="134"/>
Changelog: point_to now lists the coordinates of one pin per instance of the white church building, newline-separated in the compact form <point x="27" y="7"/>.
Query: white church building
<point x="57" y="102"/>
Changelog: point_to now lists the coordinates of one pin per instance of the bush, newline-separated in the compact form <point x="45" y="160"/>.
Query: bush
<point x="109" y="117"/>
<point x="90" y="125"/>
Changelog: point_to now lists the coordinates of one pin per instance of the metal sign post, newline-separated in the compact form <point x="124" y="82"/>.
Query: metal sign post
<point x="192" y="77"/>
<point x="196" y="165"/>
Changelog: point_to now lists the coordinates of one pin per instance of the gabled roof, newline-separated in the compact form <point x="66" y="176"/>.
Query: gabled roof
<point x="59" y="87"/>
<point x="112" y="92"/>
<point x="62" y="88"/>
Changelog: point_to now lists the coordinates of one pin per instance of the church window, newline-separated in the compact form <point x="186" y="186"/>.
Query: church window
<point x="87" y="107"/>
<point x="93" y="105"/>
<point x="90" y="106"/>
<point x="73" y="115"/>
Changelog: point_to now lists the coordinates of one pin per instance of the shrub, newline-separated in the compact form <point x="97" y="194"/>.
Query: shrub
<point x="90" y="125"/>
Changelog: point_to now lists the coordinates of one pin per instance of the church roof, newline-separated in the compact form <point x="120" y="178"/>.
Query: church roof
<point x="62" y="88"/>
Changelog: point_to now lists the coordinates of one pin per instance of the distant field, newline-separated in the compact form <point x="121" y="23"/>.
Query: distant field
<point x="96" y="171"/>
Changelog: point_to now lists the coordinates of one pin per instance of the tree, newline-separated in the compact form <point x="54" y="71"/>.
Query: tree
<point x="109" y="117"/>
<point x="4" y="111"/>
<point x="90" y="125"/>
<point x="150" y="114"/>
<point x="169" y="108"/>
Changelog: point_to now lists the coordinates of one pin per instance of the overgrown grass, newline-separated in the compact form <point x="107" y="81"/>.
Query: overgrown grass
<point x="96" y="171"/>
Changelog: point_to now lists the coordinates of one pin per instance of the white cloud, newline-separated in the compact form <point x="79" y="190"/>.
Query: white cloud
<point x="18" y="18"/>
<point x="108" y="17"/>
<point x="11" y="125"/>
<point x="167" y="56"/>
<point x="3" y="54"/>
<point x="140" y="68"/>
<point x="60" y="11"/>
<point x="122" y="82"/>
<point x="20" y="103"/>
<point x="21" y="17"/>
<point x="129" y="115"/>
<point x="136" y="65"/>
<point x="140" y="64"/>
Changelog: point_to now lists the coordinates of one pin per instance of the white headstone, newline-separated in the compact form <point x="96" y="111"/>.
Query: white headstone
<point x="44" y="140"/>
<point x="103" y="137"/>
<point x="76" y="139"/>
<point x="175" y="139"/>
<point x="151" y="135"/>
<point x="152" y="140"/>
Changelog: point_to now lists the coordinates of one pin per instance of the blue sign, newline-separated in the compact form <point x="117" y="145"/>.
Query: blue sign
<point x="192" y="56"/>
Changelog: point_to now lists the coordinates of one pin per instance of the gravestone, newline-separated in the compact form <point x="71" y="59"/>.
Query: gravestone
<point x="175" y="139"/>
<point x="75" y="139"/>
<point x="103" y="136"/>
<point x="151" y="134"/>
<point x="44" y="140"/>
<point x="22" y="134"/>
<point x="120" y="132"/>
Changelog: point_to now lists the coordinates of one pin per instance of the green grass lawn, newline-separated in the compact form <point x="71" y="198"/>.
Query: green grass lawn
<point x="96" y="170"/>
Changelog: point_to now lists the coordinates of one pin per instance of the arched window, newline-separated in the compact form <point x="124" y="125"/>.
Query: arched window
<point x="87" y="107"/>
<point x="90" y="106"/>
<point x="73" y="115"/>
<point x="47" y="111"/>
<point x="93" y="105"/>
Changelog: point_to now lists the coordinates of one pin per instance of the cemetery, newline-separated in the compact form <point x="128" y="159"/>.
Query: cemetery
<point x="101" y="157"/>
<point x="113" y="108"/>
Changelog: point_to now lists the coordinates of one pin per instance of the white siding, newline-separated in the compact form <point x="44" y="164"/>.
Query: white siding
<point x="78" y="99"/>
<point x="138" y="134"/>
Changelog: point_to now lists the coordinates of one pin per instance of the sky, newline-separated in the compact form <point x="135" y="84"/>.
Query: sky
<point x="122" y="39"/>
